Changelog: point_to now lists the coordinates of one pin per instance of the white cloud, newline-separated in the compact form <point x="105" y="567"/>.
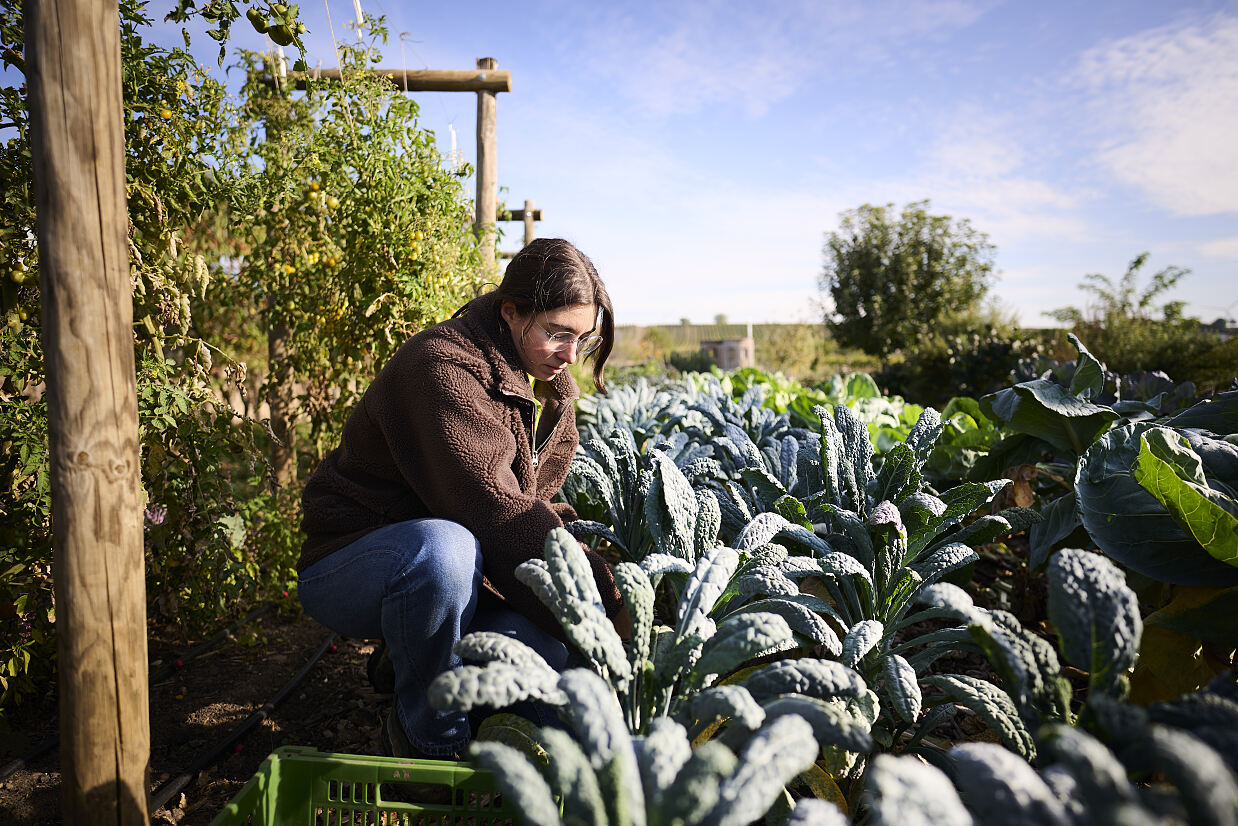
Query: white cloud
<point x="1226" y="248"/>
<point x="984" y="164"/>
<point x="1171" y="93"/>
<point x="679" y="58"/>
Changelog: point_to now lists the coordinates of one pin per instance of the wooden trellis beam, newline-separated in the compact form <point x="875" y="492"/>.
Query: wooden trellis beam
<point x="422" y="80"/>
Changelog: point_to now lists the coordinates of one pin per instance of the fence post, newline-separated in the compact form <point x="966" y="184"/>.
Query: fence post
<point x="77" y="136"/>
<point x="528" y="222"/>
<point x="487" y="170"/>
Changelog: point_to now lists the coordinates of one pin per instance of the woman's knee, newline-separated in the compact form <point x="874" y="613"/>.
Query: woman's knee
<point x="444" y="557"/>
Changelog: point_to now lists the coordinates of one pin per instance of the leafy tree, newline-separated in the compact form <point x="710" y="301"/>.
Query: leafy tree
<point x="655" y="344"/>
<point x="896" y="280"/>
<point x="1123" y="300"/>
<point x="1127" y="327"/>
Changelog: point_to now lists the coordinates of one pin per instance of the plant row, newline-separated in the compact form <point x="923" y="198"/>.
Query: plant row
<point x="802" y="650"/>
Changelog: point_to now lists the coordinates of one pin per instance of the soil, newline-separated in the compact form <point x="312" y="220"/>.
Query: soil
<point x="204" y="702"/>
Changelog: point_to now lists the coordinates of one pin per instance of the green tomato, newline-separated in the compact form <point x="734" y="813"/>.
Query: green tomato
<point x="281" y="34"/>
<point x="259" y="22"/>
<point x="280" y="9"/>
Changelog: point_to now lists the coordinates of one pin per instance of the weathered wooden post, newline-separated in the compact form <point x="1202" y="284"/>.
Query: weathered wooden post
<point x="528" y="222"/>
<point x="487" y="169"/>
<point x="77" y="134"/>
<point x="529" y="216"/>
<point x="279" y="371"/>
<point x="279" y="400"/>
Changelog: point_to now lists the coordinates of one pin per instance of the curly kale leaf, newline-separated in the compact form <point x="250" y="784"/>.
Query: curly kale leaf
<point x="1000" y="787"/>
<point x="1096" y="616"/>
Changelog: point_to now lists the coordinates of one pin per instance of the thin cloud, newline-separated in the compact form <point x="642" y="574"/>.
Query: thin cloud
<point x="1172" y="92"/>
<point x="749" y="56"/>
<point x="984" y="165"/>
<point x="1226" y="248"/>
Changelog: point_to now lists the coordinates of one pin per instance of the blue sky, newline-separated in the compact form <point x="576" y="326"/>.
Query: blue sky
<point x="699" y="151"/>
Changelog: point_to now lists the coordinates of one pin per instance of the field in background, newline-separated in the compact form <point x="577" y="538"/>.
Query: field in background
<point x="801" y="351"/>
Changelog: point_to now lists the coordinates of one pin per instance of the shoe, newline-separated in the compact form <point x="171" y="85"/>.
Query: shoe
<point x="396" y="743"/>
<point x="380" y="671"/>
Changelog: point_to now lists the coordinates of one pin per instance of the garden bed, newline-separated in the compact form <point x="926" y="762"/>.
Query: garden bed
<point x="333" y="709"/>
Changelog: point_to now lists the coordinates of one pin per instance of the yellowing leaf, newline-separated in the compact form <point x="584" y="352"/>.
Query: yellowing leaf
<point x="1168" y="469"/>
<point x="1170" y="665"/>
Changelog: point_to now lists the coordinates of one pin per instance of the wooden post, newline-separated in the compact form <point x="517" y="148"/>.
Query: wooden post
<point x="77" y="135"/>
<point x="487" y="170"/>
<point x="528" y="216"/>
<point x="279" y="400"/>
<point x="528" y="222"/>
<point x="279" y="371"/>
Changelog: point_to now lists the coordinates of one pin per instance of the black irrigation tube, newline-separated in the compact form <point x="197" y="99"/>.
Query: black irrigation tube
<point x="160" y="797"/>
<point x="202" y="648"/>
<point x="188" y="656"/>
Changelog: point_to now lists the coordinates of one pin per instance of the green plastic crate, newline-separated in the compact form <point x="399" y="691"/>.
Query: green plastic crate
<point x="299" y="786"/>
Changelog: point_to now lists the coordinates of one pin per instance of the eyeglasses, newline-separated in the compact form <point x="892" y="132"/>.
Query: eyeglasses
<point x="561" y="341"/>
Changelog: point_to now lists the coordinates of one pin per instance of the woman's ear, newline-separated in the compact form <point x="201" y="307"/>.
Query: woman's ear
<point x="508" y="310"/>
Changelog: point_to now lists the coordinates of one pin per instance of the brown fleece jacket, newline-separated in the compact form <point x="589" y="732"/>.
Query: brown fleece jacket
<point x="444" y="431"/>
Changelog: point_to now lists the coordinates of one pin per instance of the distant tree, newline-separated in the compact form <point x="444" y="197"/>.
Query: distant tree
<point x="1129" y="329"/>
<point x="792" y="349"/>
<point x="655" y="344"/>
<point x="895" y="281"/>
<point x="720" y="319"/>
<point x="1124" y="301"/>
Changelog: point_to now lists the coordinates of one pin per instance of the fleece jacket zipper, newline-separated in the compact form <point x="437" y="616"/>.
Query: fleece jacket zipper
<point x="530" y="407"/>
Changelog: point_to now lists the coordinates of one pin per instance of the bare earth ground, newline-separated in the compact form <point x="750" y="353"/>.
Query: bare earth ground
<point x="202" y="703"/>
<point x="334" y="708"/>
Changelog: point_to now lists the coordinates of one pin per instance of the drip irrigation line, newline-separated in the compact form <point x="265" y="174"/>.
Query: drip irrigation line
<point x="160" y="797"/>
<point x="202" y="648"/>
<point x="192" y="654"/>
<point x="34" y="753"/>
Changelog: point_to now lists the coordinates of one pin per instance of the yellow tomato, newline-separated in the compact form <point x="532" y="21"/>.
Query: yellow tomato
<point x="166" y="114"/>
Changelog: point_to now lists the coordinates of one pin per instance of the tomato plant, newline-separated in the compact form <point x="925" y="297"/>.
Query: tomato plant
<point x="326" y="213"/>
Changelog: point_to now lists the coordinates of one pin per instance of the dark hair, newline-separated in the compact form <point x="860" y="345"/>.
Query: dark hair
<point x="549" y="273"/>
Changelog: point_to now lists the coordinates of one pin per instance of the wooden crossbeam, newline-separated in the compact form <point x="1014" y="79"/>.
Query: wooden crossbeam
<point x="416" y="80"/>
<point x="518" y="215"/>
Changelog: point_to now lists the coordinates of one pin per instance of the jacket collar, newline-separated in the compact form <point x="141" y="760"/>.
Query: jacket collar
<point x="493" y="337"/>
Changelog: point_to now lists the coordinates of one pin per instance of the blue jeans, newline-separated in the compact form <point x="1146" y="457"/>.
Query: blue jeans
<point x="415" y="584"/>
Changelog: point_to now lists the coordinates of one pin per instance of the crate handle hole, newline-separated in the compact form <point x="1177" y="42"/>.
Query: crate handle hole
<point x="429" y="794"/>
